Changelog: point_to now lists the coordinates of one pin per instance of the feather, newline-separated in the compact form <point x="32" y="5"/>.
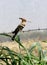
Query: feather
<point x="19" y="28"/>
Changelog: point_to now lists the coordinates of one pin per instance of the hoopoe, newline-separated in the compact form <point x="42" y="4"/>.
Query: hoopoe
<point x="19" y="27"/>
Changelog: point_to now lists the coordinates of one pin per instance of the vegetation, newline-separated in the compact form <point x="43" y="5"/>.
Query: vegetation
<point x="9" y="57"/>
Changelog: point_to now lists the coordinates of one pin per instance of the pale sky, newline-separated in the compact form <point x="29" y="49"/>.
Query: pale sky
<point x="32" y="10"/>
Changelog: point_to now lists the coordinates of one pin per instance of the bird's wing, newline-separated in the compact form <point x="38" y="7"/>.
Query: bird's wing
<point x="18" y="29"/>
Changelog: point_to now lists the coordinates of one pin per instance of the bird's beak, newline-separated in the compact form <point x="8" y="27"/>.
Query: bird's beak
<point x="25" y="20"/>
<point x="28" y="21"/>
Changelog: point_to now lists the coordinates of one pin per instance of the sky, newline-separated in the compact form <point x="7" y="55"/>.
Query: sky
<point x="32" y="10"/>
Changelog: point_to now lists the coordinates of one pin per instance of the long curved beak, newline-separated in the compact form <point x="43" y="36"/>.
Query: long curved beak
<point x="29" y="21"/>
<point x="23" y="19"/>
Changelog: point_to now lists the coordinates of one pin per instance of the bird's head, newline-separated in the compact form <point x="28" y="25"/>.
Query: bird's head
<point x="23" y="21"/>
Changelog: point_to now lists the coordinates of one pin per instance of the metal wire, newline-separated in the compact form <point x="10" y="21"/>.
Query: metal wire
<point x="35" y="29"/>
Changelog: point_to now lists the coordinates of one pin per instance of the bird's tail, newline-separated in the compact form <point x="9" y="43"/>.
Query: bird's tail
<point x="13" y="32"/>
<point x="13" y="37"/>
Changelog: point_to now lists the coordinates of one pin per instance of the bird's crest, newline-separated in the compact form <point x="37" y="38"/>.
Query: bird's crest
<point x="22" y="19"/>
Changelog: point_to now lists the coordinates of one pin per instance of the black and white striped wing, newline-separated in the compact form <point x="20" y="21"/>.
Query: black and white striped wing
<point x="16" y="31"/>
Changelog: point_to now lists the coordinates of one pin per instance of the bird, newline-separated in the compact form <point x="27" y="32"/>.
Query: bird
<point x="19" y="27"/>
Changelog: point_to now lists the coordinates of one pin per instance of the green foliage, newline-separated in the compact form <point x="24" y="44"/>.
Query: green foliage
<point x="10" y="57"/>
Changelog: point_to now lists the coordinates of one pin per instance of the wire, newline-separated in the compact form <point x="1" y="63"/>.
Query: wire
<point x="35" y="29"/>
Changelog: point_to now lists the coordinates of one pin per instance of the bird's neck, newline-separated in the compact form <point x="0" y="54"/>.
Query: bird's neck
<point x="23" y="23"/>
